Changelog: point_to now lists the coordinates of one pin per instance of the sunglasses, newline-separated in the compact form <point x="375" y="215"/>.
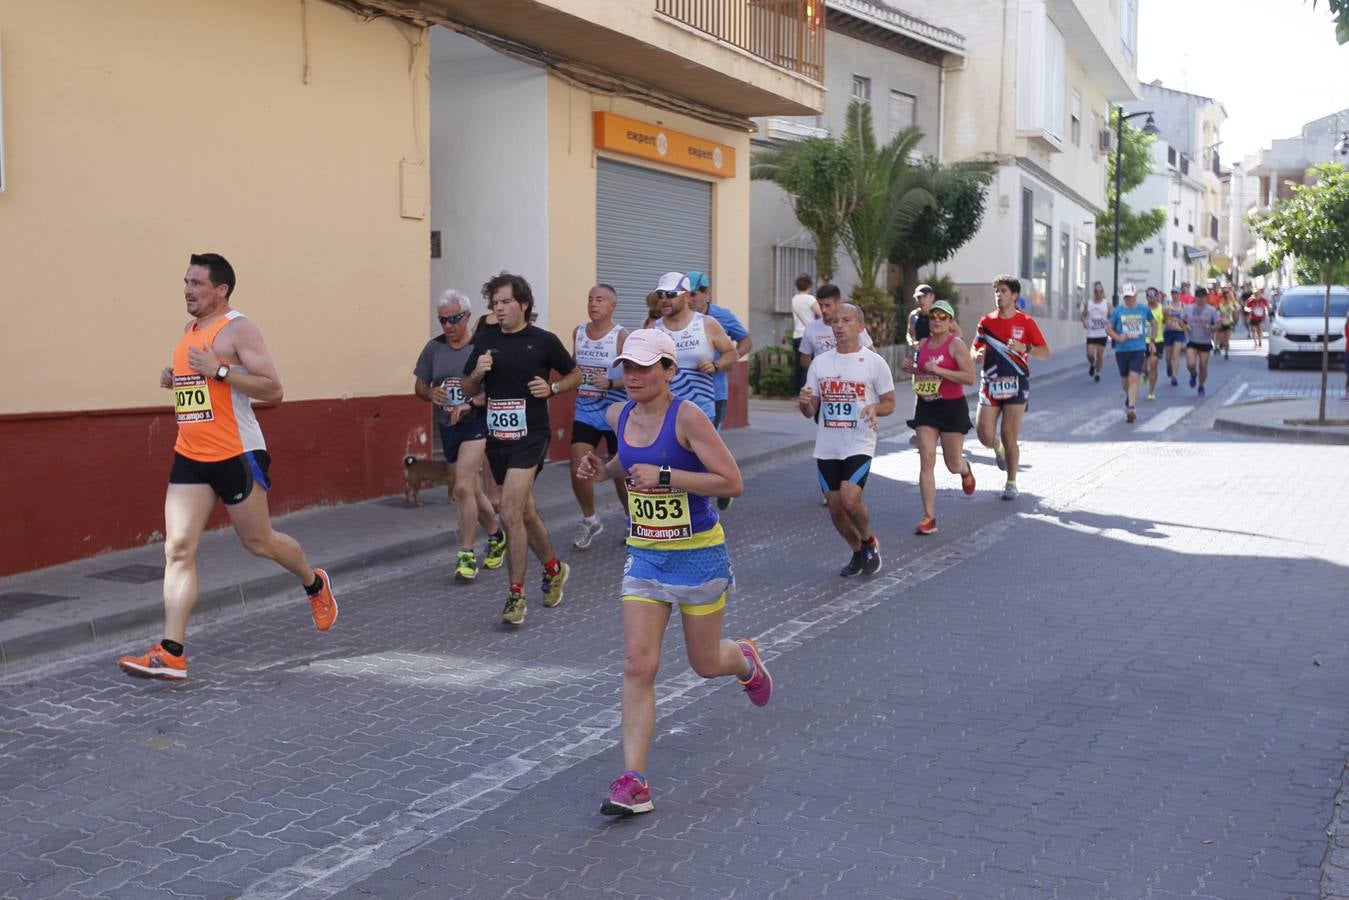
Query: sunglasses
<point x="454" y="319"/>
<point x="667" y="295"/>
<point x="939" y="316"/>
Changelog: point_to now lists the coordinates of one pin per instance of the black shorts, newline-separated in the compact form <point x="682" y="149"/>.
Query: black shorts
<point x="1201" y="347"/>
<point x="1156" y="348"/>
<point x="949" y="415"/>
<point x="453" y="436"/>
<point x="1129" y="361"/>
<point x="833" y="472"/>
<point x="1227" y="327"/>
<point x="1021" y="397"/>
<point x="585" y="433"/>
<point x="232" y="479"/>
<point x="530" y="452"/>
<point x="1096" y="342"/>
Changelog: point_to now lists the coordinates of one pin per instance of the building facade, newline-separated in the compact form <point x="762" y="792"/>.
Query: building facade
<point x="364" y="160"/>
<point x="1189" y="125"/>
<point x="881" y="56"/>
<point x="1034" y="97"/>
<point x="1170" y="256"/>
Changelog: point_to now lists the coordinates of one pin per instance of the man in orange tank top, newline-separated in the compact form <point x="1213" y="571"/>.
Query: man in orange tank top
<point x="219" y="367"/>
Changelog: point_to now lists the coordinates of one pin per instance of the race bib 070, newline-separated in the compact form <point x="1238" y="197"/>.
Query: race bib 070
<point x="192" y="398"/>
<point x="506" y="419"/>
<point x="659" y="514"/>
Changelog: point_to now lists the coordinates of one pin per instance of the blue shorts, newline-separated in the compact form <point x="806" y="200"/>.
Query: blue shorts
<point x="470" y="428"/>
<point x="695" y="579"/>
<point x="1173" y="337"/>
<point x="1130" y="361"/>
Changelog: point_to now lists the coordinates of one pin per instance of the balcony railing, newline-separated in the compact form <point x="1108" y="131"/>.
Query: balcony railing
<point x="786" y="33"/>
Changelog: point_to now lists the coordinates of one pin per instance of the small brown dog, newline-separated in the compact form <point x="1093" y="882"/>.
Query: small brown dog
<point x="420" y="472"/>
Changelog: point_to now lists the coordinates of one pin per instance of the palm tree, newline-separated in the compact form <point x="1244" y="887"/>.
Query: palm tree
<point x="819" y="176"/>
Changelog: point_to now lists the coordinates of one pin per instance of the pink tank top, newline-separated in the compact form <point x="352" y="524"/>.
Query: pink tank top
<point x="933" y="387"/>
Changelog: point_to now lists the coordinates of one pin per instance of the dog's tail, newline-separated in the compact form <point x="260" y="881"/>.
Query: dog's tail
<point x="409" y="460"/>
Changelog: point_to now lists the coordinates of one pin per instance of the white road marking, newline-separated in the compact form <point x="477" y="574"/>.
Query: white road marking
<point x="1164" y="419"/>
<point x="1100" y="423"/>
<point x="1237" y="395"/>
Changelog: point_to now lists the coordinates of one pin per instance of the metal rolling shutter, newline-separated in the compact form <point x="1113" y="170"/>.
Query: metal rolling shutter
<point x="649" y="223"/>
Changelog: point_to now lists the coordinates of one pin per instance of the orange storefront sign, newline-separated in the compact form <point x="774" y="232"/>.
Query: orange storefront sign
<point x="674" y="148"/>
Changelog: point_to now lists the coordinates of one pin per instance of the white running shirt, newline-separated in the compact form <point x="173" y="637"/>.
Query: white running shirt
<point x="819" y="337"/>
<point x="1097" y="315"/>
<point x="845" y="383"/>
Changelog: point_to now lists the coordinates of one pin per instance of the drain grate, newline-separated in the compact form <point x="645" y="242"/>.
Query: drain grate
<point x="14" y="602"/>
<point x="137" y="574"/>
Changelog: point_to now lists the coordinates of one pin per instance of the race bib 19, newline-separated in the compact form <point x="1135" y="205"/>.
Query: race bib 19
<point x="659" y="514"/>
<point x="192" y="398"/>
<point x="454" y="392"/>
<point x="1003" y="388"/>
<point x="506" y="419"/>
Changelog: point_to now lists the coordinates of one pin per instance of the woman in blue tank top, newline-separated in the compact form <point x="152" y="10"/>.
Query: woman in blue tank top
<point x="674" y="462"/>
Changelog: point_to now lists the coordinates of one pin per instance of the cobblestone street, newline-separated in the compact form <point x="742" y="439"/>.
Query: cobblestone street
<point x="1130" y="682"/>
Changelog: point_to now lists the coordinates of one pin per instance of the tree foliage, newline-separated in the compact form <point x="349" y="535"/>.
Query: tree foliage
<point x="1136" y="166"/>
<point x="819" y="175"/>
<point x="891" y="192"/>
<point x="1340" y="10"/>
<point x="937" y="232"/>
<point x="1260" y="268"/>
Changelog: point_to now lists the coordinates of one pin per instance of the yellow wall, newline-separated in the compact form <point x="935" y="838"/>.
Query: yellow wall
<point x="572" y="201"/>
<point x="140" y="131"/>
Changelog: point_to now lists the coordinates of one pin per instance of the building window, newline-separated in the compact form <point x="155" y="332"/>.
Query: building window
<point x="1075" y="122"/>
<point x="1083" y="274"/>
<point x="1184" y="164"/>
<point x="1175" y="249"/>
<point x="1065" y="263"/>
<point x="1027" y="229"/>
<point x="1213" y="227"/>
<point x="1055" y="81"/>
<point x="790" y="259"/>
<point x="1041" y="262"/>
<point x="1128" y="26"/>
<point x="861" y="88"/>
<point x="1171" y="157"/>
<point x="903" y="112"/>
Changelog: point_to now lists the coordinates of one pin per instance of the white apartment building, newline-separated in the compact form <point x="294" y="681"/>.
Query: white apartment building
<point x="1170" y="256"/>
<point x="876" y="54"/>
<point x="1034" y="95"/>
<point x="1189" y="124"/>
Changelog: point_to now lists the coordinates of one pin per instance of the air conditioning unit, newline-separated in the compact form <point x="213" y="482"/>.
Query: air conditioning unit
<point x="1106" y="141"/>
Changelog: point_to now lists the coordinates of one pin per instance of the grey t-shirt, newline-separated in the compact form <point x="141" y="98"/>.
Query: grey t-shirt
<point x="441" y="364"/>
<point x="1201" y="319"/>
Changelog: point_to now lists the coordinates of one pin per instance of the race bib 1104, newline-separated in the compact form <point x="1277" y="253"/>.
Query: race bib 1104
<point x="1003" y="388"/>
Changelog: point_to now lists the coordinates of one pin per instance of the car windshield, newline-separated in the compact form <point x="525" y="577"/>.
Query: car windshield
<point x="1305" y="305"/>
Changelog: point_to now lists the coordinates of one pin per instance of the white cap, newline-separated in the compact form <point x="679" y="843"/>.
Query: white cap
<point x="1128" y="289"/>
<point x="648" y="346"/>
<point x="673" y="281"/>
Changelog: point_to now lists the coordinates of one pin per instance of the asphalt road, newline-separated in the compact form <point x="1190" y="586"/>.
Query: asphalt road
<point x="1130" y="682"/>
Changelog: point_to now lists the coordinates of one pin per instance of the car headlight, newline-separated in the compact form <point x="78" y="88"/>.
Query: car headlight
<point x="1276" y="330"/>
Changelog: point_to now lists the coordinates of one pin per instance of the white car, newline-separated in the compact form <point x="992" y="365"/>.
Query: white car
<point x="1294" y="334"/>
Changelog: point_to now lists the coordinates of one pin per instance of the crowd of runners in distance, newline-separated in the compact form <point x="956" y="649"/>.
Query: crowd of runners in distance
<point x="1182" y="329"/>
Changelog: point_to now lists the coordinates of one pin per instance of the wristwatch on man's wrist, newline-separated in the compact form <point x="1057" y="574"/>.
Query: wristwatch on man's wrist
<point x="664" y="479"/>
<point x="222" y="372"/>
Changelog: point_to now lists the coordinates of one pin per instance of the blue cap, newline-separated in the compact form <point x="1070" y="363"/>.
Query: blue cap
<point x="698" y="281"/>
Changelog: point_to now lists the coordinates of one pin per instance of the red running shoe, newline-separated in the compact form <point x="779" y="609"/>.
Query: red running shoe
<point x="926" y="525"/>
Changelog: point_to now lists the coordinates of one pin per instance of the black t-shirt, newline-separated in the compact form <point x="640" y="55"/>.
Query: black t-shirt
<point x="922" y="325"/>
<point x="517" y="358"/>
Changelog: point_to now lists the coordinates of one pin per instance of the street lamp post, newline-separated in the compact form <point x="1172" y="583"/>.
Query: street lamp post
<point x="1149" y="127"/>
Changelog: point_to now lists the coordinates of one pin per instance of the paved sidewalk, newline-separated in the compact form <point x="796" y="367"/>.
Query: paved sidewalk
<point x="99" y="598"/>
<point x="1274" y="418"/>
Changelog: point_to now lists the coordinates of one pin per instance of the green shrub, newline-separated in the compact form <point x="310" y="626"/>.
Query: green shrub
<point x="878" y="309"/>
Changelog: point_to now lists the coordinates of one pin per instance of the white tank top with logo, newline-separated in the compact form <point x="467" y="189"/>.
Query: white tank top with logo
<point x="1097" y="315"/>
<point x="692" y="345"/>
<point x="596" y="360"/>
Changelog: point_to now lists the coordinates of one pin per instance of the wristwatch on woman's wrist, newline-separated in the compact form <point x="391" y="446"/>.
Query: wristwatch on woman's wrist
<point x="664" y="479"/>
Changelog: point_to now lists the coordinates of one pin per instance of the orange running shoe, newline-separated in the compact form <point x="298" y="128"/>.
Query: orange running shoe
<point x="967" y="480"/>
<point x="323" y="604"/>
<point x="155" y="663"/>
<point x="926" y="525"/>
